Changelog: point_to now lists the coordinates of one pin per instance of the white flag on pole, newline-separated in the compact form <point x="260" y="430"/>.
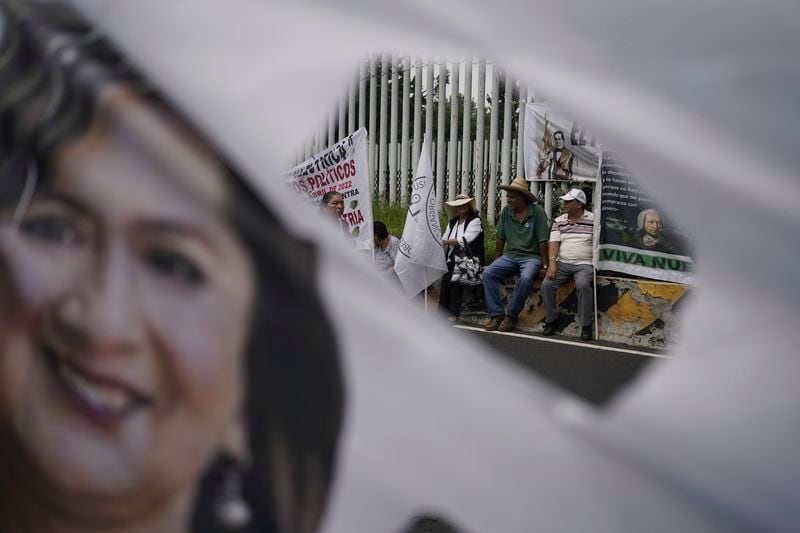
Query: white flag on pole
<point x="421" y="259"/>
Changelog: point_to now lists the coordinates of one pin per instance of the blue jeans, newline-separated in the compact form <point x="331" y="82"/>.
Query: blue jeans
<point x="500" y="269"/>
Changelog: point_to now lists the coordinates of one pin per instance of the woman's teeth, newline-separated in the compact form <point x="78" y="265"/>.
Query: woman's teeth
<point x="107" y="398"/>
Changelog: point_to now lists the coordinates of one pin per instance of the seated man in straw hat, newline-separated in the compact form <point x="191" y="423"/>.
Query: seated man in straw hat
<point x="522" y="231"/>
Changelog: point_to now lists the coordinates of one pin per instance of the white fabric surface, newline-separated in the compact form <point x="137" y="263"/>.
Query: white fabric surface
<point x="700" y="98"/>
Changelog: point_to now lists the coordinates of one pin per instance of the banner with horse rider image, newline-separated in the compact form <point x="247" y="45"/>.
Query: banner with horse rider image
<point x="635" y="236"/>
<point x="557" y="148"/>
<point x="341" y="168"/>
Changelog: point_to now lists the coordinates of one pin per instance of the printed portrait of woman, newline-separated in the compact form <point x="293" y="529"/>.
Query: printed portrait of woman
<point x="156" y="372"/>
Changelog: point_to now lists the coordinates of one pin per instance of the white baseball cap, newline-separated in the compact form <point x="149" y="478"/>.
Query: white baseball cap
<point x="574" y="194"/>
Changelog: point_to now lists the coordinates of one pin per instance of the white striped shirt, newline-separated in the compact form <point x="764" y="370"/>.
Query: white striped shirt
<point x="575" y="239"/>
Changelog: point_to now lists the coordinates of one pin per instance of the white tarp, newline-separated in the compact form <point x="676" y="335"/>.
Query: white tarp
<point x="420" y="259"/>
<point x="702" y="94"/>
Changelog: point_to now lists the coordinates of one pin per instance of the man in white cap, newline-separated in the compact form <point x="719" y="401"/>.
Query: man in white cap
<point x="521" y="248"/>
<point x="570" y="256"/>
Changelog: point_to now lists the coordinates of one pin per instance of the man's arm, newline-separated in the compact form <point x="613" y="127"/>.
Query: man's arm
<point x="499" y="244"/>
<point x="543" y="255"/>
<point x="553" y="247"/>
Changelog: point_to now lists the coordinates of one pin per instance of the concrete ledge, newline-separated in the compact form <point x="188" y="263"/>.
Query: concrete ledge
<point x="632" y="312"/>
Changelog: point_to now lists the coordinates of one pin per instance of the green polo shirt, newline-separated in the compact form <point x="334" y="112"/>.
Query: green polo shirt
<point x="523" y="238"/>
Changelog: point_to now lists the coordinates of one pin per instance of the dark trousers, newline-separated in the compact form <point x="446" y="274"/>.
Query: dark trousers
<point x="450" y="295"/>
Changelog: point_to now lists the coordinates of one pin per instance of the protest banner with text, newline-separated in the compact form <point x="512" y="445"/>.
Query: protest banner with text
<point x="341" y="168"/>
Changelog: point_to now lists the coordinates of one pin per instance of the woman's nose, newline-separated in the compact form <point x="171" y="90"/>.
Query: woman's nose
<point x="100" y="311"/>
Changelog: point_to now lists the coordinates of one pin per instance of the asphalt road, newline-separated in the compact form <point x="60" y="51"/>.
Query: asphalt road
<point x="591" y="370"/>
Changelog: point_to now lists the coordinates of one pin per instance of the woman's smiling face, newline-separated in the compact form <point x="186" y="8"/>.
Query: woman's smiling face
<point x="127" y="315"/>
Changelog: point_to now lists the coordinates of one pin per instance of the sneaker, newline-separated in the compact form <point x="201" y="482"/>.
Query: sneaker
<point x="549" y="329"/>
<point x="493" y="323"/>
<point x="586" y="333"/>
<point x="507" y="324"/>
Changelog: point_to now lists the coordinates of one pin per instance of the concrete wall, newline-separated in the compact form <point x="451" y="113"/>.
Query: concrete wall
<point x="633" y="312"/>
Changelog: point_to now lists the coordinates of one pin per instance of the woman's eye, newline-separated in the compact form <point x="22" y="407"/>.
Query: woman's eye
<point x="174" y="266"/>
<point x="52" y="229"/>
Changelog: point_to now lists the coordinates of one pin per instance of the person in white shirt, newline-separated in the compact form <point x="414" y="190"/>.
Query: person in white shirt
<point x="386" y="247"/>
<point x="464" y="224"/>
<point x="570" y="253"/>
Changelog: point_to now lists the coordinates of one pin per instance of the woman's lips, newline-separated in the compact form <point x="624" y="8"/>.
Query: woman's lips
<point x="104" y="400"/>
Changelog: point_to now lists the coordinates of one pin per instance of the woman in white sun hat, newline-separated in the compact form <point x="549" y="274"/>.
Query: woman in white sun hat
<point x="464" y="224"/>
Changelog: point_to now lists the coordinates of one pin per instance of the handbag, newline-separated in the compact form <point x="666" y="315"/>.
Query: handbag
<point x="467" y="270"/>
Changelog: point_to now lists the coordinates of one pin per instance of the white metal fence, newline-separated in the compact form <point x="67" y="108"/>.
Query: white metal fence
<point x="400" y="98"/>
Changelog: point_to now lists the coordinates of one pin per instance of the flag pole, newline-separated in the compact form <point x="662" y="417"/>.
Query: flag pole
<point x="594" y="291"/>
<point x="598" y="185"/>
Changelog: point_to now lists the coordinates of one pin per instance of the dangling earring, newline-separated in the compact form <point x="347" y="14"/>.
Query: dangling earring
<point x="231" y="508"/>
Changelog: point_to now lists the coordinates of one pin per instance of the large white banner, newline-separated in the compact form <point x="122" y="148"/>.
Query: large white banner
<point x="342" y="168"/>
<point x="421" y="260"/>
<point x="433" y="423"/>
<point x="556" y="147"/>
<point x="632" y="235"/>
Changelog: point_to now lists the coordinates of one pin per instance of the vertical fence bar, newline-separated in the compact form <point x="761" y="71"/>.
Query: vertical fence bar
<point x="548" y="199"/>
<point x="417" y="146"/>
<point x="321" y="132"/>
<point x="433" y="154"/>
<point x="331" y="126"/>
<point x="429" y="106"/>
<point x="507" y="123"/>
<point x="466" y="133"/>
<point x="351" y="104"/>
<point x="480" y="107"/>
<point x="459" y="163"/>
<point x="523" y="97"/>
<point x="362" y="93"/>
<point x="491" y="201"/>
<point x="373" y="119"/>
<point x="405" y="131"/>
<point x="393" y="130"/>
<point x="382" y="127"/>
<point x="452" y="162"/>
<point x="440" y="145"/>
<point x="343" y="112"/>
<point x="513" y="151"/>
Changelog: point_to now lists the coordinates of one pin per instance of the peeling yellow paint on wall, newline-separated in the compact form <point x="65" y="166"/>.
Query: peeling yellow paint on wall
<point x="537" y="314"/>
<point x="665" y="291"/>
<point x="627" y="310"/>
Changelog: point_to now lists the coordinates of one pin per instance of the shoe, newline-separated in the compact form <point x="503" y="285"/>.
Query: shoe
<point x="586" y="333"/>
<point x="452" y="318"/>
<point x="507" y="324"/>
<point x="549" y="329"/>
<point x="493" y="323"/>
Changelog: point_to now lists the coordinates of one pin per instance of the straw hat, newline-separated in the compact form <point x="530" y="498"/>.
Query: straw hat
<point x="461" y="199"/>
<point x="520" y="186"/>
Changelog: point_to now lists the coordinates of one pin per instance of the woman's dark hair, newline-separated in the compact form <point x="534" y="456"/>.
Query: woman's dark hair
<point x="327" y="197"/>
<point x="379" y="229"/>
<point x="52" y="69"/>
